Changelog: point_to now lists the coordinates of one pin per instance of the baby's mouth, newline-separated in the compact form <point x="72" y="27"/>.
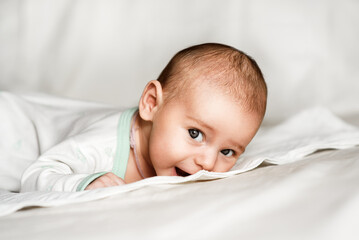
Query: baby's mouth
<point x="181" y="173"/>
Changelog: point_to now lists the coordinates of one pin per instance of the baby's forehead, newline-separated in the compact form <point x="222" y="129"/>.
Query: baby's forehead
<point x="200" y="79"/>
<point x="205" y="74"/>
<point x="198" y="86"/>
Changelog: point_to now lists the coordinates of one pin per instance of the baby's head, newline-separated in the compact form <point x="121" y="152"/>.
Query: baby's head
<point x="203" y="110"/>
<point x="222" y="67"/>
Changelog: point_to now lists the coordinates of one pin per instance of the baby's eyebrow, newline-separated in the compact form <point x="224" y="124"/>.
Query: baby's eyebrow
<point x="238" y="148"/>
<point x="202" y="123"/>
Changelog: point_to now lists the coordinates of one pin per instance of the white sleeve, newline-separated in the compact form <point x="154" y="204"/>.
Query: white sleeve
<point x="72" y="164"/>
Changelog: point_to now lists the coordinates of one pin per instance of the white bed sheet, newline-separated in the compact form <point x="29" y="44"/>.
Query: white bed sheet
<point x="316" y="198"/>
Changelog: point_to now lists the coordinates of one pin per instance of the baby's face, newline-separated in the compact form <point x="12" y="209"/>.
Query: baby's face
<point x="203" y="130"/>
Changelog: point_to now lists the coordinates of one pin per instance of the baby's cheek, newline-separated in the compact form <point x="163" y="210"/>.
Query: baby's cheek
<point x="224" y="165"/>
<point x="166" y="151"/>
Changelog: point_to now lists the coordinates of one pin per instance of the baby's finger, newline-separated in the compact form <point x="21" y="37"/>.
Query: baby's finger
<point x="115" y="179"/>
<point x="98" y="183"/>
<point x="106" y="180"/>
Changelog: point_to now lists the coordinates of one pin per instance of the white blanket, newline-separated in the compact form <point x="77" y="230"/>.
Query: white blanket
<point x="303" y="134"/>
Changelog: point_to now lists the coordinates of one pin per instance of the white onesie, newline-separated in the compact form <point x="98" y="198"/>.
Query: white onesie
<point x="56" y="144"/>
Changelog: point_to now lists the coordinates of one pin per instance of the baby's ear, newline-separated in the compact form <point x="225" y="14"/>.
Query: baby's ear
<point x="151" y="100"/>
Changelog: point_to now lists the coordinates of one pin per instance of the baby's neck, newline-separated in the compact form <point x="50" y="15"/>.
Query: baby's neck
<point x="141" y="140"/>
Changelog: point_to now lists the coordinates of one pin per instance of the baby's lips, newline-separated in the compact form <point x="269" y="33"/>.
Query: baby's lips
<point x="174" y="172"/>
<point x="181" y="172"/>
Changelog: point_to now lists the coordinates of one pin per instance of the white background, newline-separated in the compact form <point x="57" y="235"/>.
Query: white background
<point x="107" y="50"/>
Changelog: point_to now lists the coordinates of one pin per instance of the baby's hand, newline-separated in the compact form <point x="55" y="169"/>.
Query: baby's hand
<point x="106" y="180"/>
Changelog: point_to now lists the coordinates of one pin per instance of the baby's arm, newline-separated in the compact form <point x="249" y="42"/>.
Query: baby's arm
<point x="73" y="165"/>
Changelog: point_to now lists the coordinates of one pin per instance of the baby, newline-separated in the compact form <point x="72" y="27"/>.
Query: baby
<point x="200" y="114"/>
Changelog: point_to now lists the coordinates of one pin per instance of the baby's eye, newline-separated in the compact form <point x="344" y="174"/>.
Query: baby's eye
<point x="196" y="135"/>
<point x="227" y="152"/>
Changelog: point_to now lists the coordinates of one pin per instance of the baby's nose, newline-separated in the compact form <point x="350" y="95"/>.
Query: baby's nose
<point x="206" y="160"/>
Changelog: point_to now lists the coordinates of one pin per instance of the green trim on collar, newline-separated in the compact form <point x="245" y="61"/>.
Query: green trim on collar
<point x="123" y="143"/>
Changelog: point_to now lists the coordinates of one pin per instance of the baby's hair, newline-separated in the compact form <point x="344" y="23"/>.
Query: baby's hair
<point x="228" y="68"/>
